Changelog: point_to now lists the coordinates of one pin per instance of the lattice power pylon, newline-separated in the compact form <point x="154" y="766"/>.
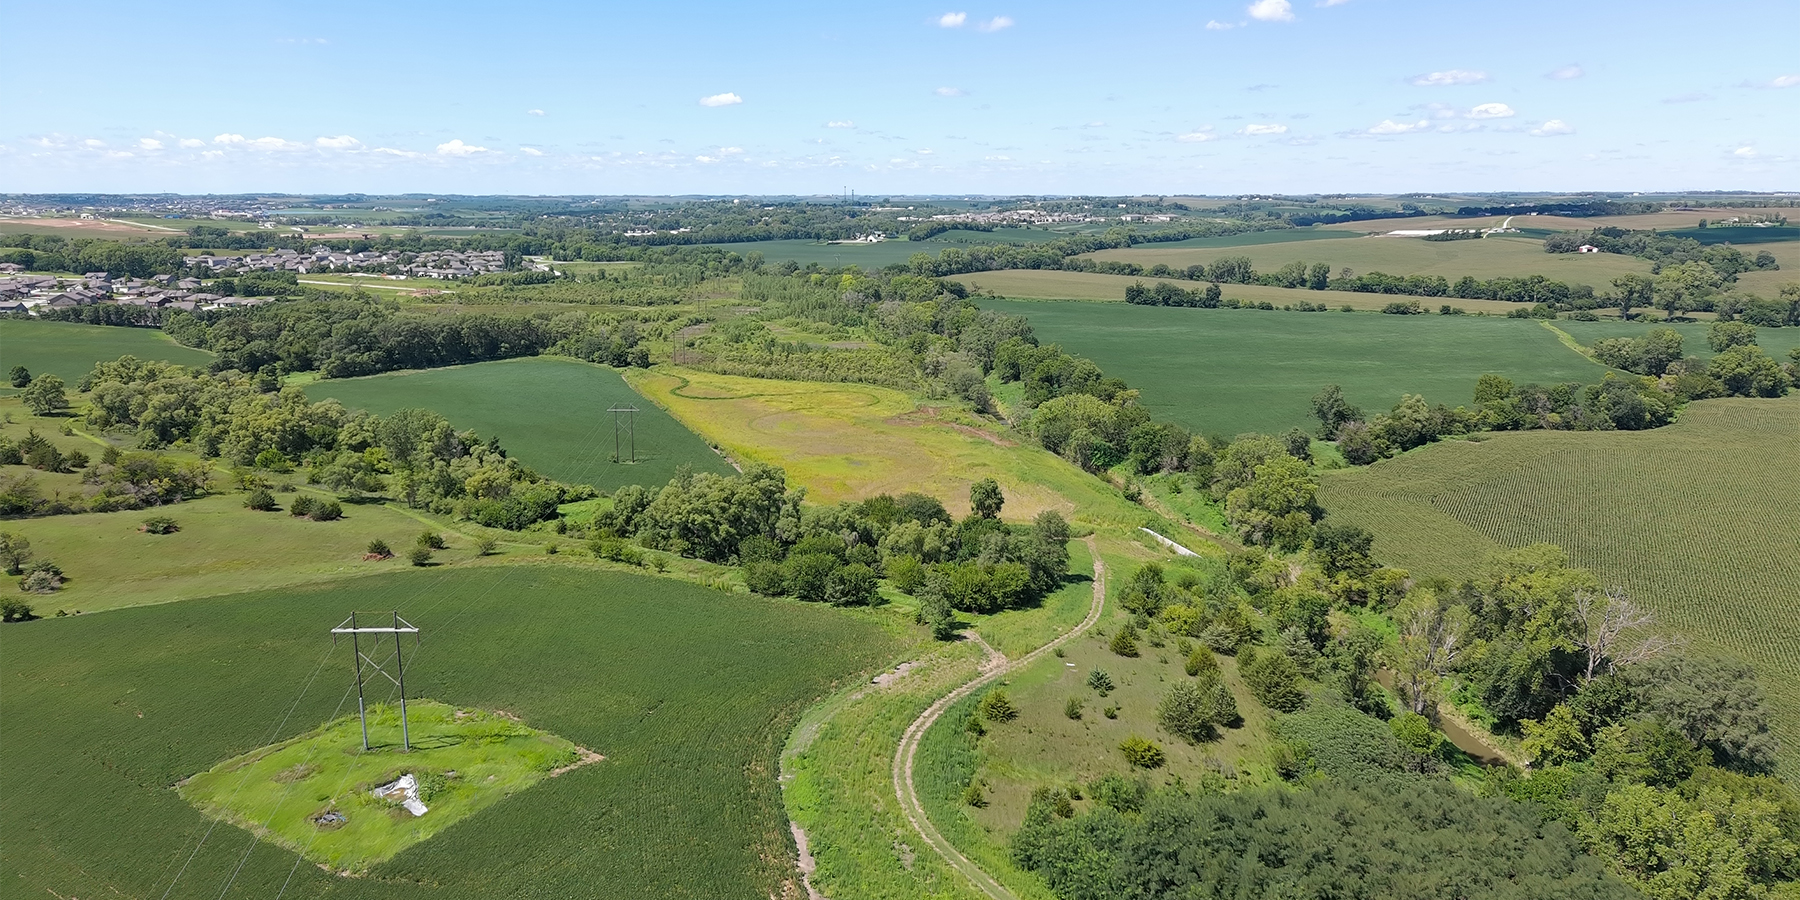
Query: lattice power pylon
<point x="631" y="425"/>
<point x="400" y="627"/>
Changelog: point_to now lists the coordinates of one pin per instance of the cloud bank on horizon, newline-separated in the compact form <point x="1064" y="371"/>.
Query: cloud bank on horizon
<point x="1264" y="95"/>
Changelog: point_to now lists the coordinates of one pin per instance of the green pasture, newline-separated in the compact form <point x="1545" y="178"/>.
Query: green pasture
<point x="806" y="252"/>
<point x="69" y="350"/>
<point x="465" y="760"/>
<point x="1486" y="258"/>
<point x="550" y="413"/>
<point x="1695" y="520"/>
<point x="1225" y="371"/>
<point x="687" y="692"/>
<point x="221" y="547"/>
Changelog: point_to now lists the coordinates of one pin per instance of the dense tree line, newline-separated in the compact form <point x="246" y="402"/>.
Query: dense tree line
<point x="837" y="553"/>
<point x="249" y="422"/>
<point x="1739" y="367"/>
<point x="342" y="338"/>
<point x="1664" y="249"/>
<point x="1335" y="840"/>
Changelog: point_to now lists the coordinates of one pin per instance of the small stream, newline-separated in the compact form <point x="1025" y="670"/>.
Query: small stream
<point x="1460" y="737"/>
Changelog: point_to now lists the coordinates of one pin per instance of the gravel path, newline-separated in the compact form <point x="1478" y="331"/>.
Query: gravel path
<point x="909" y="742"/>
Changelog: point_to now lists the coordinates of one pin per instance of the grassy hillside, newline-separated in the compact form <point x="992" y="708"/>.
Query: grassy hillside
<point x="550" y="413"/>
<point x="69" y="350"/>
<point x="687" y="692"/>
<point x="1695" y="520"/>
<point x="1486" y="258"/>
<point x="848" y="441"/>
<point x="1229" y="371"/>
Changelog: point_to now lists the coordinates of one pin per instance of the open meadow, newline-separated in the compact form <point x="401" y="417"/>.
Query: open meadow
<point x="1227" y="371"/>
<point x="69" y="350"/>
<point x="1489" y="257"/>
<point x="1695" y="520"/>
<point x="688" y="693"/>
<point x="549" y="412"/>
<point x="850" y="441"/>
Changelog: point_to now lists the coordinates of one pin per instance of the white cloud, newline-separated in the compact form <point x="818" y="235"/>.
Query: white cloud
<point x="840" y="123"/>
<point x="1448" y="77"/>
<point x="211" y="154"/>
<point x="229" y="139"/>
<point x="996" y="23"/>
<point x="1271" y="10"/>
<point x="1785" y="81"/>
<point x="1565" y="73"/>
<point x="725" y="99"/>
<point x="1215" y="25"/>
<point x="534" y="112"/>
<point x="1196" y="137"/>
<point x="389" y="151"/>
<point x="998" y="158"/>
<point x="1389" y="126"/>
<point x="149" y="144"/>
<point x="341" y="142"/>
<point x="1492" y="111"/>
<point x="1552" y="128"/>
<point x="706" y="159"/>
<point x="457" y="148"/>
<point x="925" y="152"/>
<point x="274" y="143"/>
<point x="1744" y="153"/>
<point x="730" y="151"/>
<point x="531" y="151"/>
<point x="950" y="92"/>
<point x="1264" y="129"/>
<point x="952" y="19"/>
<point x="192" y="142"/>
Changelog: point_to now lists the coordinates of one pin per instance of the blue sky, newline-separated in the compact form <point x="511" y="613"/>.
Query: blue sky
<point x="988" y="96"/>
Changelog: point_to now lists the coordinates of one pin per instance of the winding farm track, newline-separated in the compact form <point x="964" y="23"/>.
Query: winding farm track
<point x="909" y="742"/>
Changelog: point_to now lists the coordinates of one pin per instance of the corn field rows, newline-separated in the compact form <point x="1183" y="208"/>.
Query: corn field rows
<point x="1696" y="521"/>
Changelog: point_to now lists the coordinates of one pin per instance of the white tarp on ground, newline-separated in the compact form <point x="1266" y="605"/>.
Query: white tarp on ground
<point x="406" y="792"/>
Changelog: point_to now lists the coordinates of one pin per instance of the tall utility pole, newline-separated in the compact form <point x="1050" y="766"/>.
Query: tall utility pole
<point x="631" y="412"/>
<point x="400" y="627"/>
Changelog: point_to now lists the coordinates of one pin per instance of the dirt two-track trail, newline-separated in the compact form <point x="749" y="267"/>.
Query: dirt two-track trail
<point x="909" y="742"/>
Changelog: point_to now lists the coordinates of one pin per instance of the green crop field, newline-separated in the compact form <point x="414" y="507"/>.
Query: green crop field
<point x="69" y="350"/>
<point x="1695" y="520"/>
<point x="1224" y="371"/>
<point x="1252" y="239"/>
<point x="688" y="693"/>
<point x="548" y="412"/>
<point x="1055" y="284"/>
<point x="1486" y="258"/>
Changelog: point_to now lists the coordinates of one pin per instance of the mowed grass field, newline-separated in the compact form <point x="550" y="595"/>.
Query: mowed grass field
<point x="548" y="412"/>
<point x="688" y="693"/>
<point x="1225" y="371"/>
<point x="1050" y="284"/>
<point x="221" y="548"/>
<point x="69" y="350"/>
<point x="1485" y="258"/>
<point x="1697" y="521"/>
<point x="851" y="441"/>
